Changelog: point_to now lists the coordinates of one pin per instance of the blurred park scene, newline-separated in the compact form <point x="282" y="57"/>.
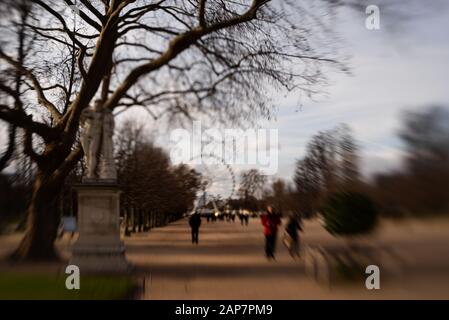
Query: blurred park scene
<point x="216" y="149"/>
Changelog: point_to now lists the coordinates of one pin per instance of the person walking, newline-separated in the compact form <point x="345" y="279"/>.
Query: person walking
<point x="241" y="218"/>
<point x="270" y="221"/>
<point x="291" y="239"/>
<point x="195" y="223"/>
<point x="246" y="218"/>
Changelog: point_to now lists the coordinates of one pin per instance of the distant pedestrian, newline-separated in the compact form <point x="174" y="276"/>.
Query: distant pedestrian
<point x="246" y="218"/>
<point x="270" y="221"/>
<point x="291" y="237"/>
<point x="195" y="223"/>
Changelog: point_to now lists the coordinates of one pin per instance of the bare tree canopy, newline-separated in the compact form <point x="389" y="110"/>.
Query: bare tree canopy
<point x="252" y="183"/>
<point x="330" y="165"/>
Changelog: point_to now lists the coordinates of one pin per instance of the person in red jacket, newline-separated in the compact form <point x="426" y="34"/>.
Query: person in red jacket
<point x="270" y="222"/>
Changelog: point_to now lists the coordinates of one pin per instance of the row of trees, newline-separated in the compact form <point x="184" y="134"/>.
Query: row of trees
<point x="154" y="191"/>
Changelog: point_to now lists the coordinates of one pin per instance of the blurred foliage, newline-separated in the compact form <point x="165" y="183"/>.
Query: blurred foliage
<point x="330" y="165"/>
<point x="349" y="213"/>
<point x="421" y="187"/>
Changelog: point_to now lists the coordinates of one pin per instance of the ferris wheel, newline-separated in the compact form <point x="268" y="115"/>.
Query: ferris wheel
<point x="218" y="177"/>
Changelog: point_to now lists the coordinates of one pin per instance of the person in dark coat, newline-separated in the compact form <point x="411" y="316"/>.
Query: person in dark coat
<point x="246" y="218"/>
<point x="270" y="221"/>
<point x="195" y="223"/>
<point x="293" y="225"/>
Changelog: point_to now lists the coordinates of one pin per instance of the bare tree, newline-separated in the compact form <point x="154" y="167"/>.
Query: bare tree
<point x="252" y="183"/>
<point x="176" y="58"/>
<point x="11" y="92"/>
<point x="330" y="164"/>
<point x="280" y="195"/>
<point x="308" y="189"/>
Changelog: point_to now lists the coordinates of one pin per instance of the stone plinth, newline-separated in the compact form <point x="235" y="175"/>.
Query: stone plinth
<point x="99" y="248"/>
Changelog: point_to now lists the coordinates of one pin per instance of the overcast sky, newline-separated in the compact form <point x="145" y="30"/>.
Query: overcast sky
<point x="402" y="66"/>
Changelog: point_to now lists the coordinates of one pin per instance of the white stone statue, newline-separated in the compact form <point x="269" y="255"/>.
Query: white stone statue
<point x="96" y="140"/>
<point x="108" y="170"/>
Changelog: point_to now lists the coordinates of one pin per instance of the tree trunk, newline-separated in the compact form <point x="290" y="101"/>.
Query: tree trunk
<point x="42" y="221"/>
<point x="127" y="221"/>
<point x="134" y="219"/>
<point x="140" y="217"/>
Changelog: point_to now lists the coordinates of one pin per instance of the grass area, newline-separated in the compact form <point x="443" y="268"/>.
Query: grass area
<point x="14" y="286"/>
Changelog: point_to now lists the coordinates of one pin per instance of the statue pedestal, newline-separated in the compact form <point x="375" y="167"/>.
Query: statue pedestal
<point x="99" y="248"/>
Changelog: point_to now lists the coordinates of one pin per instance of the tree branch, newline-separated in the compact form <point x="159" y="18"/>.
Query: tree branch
<point x="69" y="162"/>
<point x="25" y="121"/>
<point x="28" y="148"/>
<point x="84" y="16"/>
<point x="178" y="45"/>
<point x="93" y="10"/>
<point x="6" y="156"/>
<point x="42" y="99"/>
<point x="54" y="13"/>
<point x="202" y="13"/>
